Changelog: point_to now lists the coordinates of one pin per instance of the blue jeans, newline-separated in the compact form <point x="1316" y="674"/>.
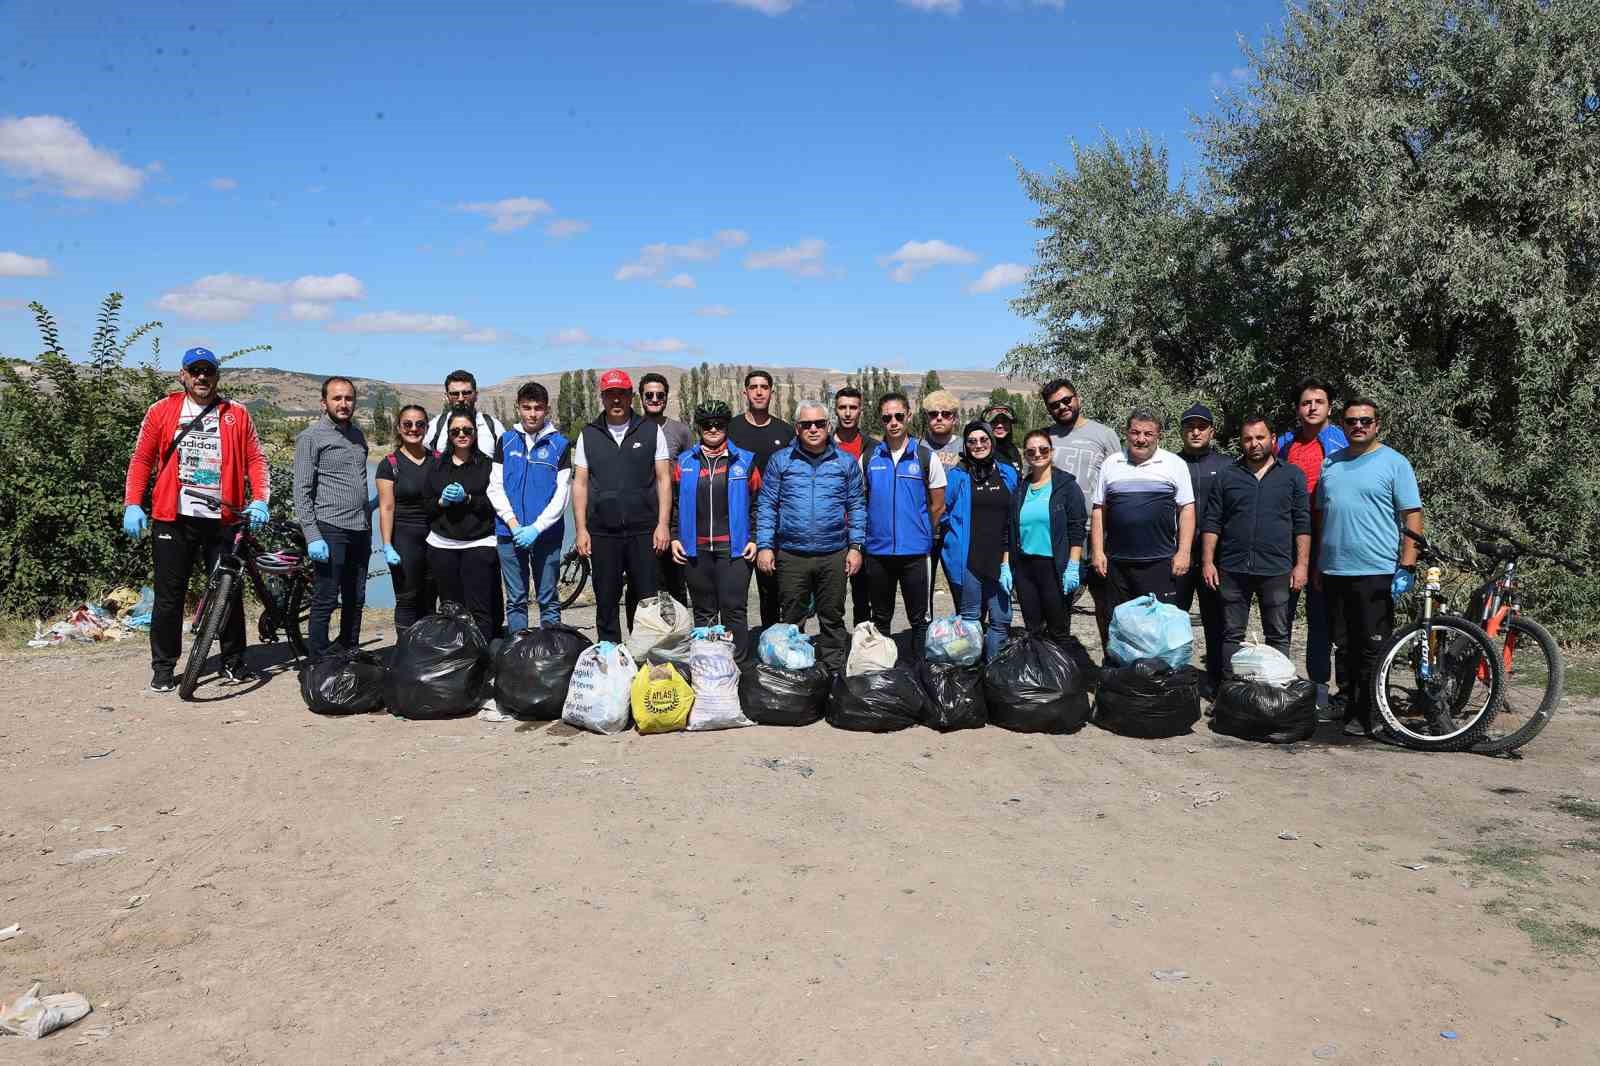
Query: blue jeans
<point x="978" y="593"/>
<point x="1319" y="643"/>
<point x="543" y="563"/>
<point x="341" y="582"/>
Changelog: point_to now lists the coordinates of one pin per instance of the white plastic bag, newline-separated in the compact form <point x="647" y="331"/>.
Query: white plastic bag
<point x="715" y="677"/>
<point x="870" y="651"/>
<point x="658" y="620"/>
<point x="601" y="689"/>
<point x="954" y="639"/>
<point x="33" y="1016"/>
<point x="784" y="647"/>
<point x="1258" y="662"/>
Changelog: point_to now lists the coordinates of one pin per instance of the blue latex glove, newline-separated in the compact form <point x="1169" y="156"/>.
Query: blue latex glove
<point x="318" y="551"/>
<point x="1403" y="580"/>
<point x="525" y="536"/>
<point x="453" y="493"/>
<point x="1005" y="577"/>
<point x="134" y="521"/>
<point x="391" y="556"/>
<point x="257" y="514"/>
<point x="1071" y="578"/>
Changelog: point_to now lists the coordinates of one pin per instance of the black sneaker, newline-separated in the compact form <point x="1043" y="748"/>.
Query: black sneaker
<point x="236" y="672"/>
<point x="162" y="681"/>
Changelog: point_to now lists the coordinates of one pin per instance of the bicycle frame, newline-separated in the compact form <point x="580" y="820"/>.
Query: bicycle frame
<point x="1501" y="600"/>
<point x="236" y="561"/>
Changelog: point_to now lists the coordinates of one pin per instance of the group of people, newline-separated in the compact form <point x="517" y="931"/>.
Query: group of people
<point x="472" y="511"/>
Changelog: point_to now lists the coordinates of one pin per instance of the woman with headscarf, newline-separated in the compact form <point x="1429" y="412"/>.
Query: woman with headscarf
<point x="977" y="533"/>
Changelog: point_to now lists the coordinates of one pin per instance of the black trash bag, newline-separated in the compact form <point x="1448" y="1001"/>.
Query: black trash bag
<point x="774" y="696"/>
<point x="532" y="669"/>
<point x="1148" y="699"/>
<point x="439" y="668"/>
<point x="346" y="683"/>
<point x="955" y="696"/>
<point x="879" y="702"/>
<point x="1256" y="710"/>
<point x="1038" y="685"/>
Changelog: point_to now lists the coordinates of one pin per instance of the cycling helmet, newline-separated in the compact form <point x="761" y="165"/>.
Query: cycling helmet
<point x="277" y="562"/>
<point x="706" y="410"/>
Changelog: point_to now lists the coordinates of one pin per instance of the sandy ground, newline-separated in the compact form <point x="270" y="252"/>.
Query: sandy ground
<point x="283" y="888"/>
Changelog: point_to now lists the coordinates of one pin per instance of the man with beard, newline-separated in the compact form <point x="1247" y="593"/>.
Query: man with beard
<point x="1079" y="447"/>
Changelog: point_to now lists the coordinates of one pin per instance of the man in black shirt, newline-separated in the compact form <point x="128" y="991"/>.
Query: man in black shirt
<point x="1205" y="463"/>
<point x="760" y="434"/>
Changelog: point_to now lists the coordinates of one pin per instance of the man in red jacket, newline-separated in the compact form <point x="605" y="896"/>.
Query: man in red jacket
<point x="199" y="447"/>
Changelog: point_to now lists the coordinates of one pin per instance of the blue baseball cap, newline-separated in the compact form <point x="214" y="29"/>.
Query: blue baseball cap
<point x="1199" y="411"/>
<point x="199" y="355"/>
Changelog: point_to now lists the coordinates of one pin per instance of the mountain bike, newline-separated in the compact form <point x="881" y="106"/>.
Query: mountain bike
<point x="1535" y="671"/>
<point x="1439" y="681"/>
<point x="282" y="581"/>
<point x="574" y="575"/>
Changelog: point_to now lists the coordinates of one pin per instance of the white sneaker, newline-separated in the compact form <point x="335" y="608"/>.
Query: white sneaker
<point x="492" y="713"/>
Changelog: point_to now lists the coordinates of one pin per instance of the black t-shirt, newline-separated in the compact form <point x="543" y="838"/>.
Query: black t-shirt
<point x="761" y="441"/>
<point x="410" y="487"/>
<point x="991" y="525"/>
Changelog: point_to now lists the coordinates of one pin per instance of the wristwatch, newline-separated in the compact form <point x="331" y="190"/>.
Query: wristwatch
<point x="855" y="547"/>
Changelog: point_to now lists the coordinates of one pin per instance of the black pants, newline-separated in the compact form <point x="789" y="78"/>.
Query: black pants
<point x="176" y="546"/>
<point x="1192" y="586"/>
<point x="909" y="575"/>
<point x="1236" y="592"/>
<point x="1099" y="590"/>
<point x="414" y="590"/>
<point x="770" y="595"/>
<point x="611" y="558"/>
<point x="818" y="579"/>
<point x="719" y="590"/>
<point x="860" y="598"/>
<point x="1128" y="580"/>
<point x="470" y="577"/>
<point x="1037" y="583"/>
<point x="669" y="580"/>
<point x="1361" y="618"/>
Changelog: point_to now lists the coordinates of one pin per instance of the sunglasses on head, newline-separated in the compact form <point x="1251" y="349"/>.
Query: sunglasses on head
<point x="1036" y="452"/>
<point x="463" y="431"/>
<point x="894" y="416"/>
<point x="1360" y="420"/>
<point x="714" y="423"/>
<point x="413" y="425"/>
<point x="813" y="423"/>
<point x="654" y="395"/>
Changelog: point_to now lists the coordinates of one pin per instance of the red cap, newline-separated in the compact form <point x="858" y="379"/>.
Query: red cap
<point x="615" y="379"/>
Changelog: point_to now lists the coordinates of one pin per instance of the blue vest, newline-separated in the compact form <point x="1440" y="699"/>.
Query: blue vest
<point x="898" y="522"/>
<point x="529" y="478"/>
<point x="740" y="464"/>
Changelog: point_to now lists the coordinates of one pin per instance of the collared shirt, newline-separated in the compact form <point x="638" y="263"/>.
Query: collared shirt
<point x="330" y="478"/>
<point x="1141" y="503"/>
<point x="1257" y="519"/>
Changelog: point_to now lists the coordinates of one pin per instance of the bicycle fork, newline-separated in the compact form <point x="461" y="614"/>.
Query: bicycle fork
<point x="1429" y="652"/>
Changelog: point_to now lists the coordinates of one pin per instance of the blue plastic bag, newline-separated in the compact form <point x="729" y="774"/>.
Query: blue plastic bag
<point x="954" y="640"/>
<point x="1145" y="628"/>
<point x="784" y="647"/>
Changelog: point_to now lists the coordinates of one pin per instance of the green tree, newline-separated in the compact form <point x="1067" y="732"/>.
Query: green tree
<point x="1401" y="200"/>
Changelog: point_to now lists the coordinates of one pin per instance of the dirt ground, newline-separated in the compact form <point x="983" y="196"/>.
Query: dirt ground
<point x="239" y="881"/>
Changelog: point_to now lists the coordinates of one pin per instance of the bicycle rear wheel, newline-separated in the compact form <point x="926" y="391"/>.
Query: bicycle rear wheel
<point x="1535" y="677"/>
<point x="218" y="603"/>
<point x="1451" y="708"/>
<point x="296" y="614"/>
<point x="574" y="575"/>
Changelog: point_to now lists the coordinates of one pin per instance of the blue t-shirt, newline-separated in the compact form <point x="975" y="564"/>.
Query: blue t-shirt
<point x="1362" y="499"/>
<point x="1035" y="522"/>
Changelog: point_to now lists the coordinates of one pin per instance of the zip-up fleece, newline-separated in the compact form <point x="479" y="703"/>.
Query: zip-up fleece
<point x="241" y="456"/>
<point x="734" y="467"/>
<point x="957" y="520"/>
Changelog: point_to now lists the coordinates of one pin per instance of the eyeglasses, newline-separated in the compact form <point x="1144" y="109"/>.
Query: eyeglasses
<point x="977" y="442"/>
<point x="654" y="395"/>
<point x="715" y="423"/>
<point x="1053" y="404"/>
<point x="813" y="423"/>
<point x="894" y="416"/>
<point x="463" y="431"/>
<point x="1361" y="420"/>
<point x="1036" y="453"/>
<point x="413" y="425"/>
<point x="941" y="414"/>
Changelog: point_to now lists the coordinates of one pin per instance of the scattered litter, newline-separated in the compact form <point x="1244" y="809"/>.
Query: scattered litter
<point x="33" y="1016"/>
<point x="92" y="1033"/>
<point x="88" y="622"/>
<point x="98" y="754"/>
<point x="112" y="828"/>
<point x="11" y="932"/>
<point x="1559" y="1021"/>
<point x="1413" y="865"/>
<point x="166" y="810"/>
<point x="1288" y="834"/>
<point x="91" y="854"/>
<point x="1170" y="975"/>
<point x="1326" y="1051"/>
<point x="800" y="768"/>
<point x="1208" y="798"/>
<point x="135" y="902"/>
<point x="1450" y="1034"/>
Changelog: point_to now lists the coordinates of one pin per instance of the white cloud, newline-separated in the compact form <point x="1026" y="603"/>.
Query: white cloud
<point x="766" y="7"/>
<point x="402" y="322"/>
<point x="661" y="346"/>
<point x="999" y="276"/>
<point x="679" y="281"/>
<point x="567" y="227"/>
<point x="913" y="257"/>
<point x="481" y="336"/>
<point x="566" y="338"/>
<point x="223" y="184"/>
<point x="714" y="311"/>
<point x="948" y="7"/>
<point x="654" y="258"/>
<point x="53" y="151"/>
<point x="231" y="297"/>
<point x="510" y="214"/>
<point x="17" y="265"/>
<point x="803" y="260"/>
<point x="1236" y="76"/>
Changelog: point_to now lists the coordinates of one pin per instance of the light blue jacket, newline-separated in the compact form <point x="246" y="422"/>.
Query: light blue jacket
<point x="957" y="521"/>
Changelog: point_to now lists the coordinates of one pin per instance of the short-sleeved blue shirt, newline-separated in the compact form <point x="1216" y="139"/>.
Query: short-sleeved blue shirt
<point x="1362" y="499"/>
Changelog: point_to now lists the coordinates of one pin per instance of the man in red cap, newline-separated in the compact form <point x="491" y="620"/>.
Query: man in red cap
<point x="621" y="499"/>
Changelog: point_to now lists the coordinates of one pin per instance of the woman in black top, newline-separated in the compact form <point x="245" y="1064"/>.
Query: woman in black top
<point x="403" y="516"/>
<point x="461" y="543"/>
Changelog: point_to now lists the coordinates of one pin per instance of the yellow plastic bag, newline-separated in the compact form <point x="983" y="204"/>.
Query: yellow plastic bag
<point x="661" y="699"/>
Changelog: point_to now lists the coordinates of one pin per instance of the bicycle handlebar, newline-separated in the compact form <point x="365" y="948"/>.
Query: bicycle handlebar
<point x="1524" y="549"/>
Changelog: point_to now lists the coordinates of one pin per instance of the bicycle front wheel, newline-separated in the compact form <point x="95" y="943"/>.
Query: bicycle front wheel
<point x="1535" y="677"/>
<point x="1448" y="705"/>
<point x="218" y="603"/>
<point x="574" y="575"/>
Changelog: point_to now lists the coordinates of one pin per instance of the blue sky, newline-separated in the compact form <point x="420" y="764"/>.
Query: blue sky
<point x="396" y="189"/>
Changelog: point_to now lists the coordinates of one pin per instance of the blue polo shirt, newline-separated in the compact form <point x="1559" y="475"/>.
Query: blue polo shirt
<point x="1362" y="499"/>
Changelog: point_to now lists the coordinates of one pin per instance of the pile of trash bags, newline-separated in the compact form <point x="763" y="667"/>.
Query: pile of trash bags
<point x="1146" y="628"/>
<point x="1038" y="685"/>
<point x="344" y="683"/>
<point x="1263" y="700"/>
<point x="533" y="668"/>
<point x="1147" y="699"/>
<point x="439" y="667"/>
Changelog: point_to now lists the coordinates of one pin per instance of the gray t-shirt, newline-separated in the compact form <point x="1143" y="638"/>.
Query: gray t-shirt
<point x="1081" y="450"/>
<point x="680" y="438"/>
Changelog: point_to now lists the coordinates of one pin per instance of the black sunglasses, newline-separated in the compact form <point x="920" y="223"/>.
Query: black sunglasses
<point x="463" y="431"/>
<point x="714" y="423"/>
<point x="1360" y="420"/>
<point x="941" y="414"/>
<point x="893" y="416"/>
<point x="1053" y="404"/>
<point x="813" y="423"/>
<point x="1036" y="453"/>
<point x="654" y="395"/>
<point x="413" y="425"/>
